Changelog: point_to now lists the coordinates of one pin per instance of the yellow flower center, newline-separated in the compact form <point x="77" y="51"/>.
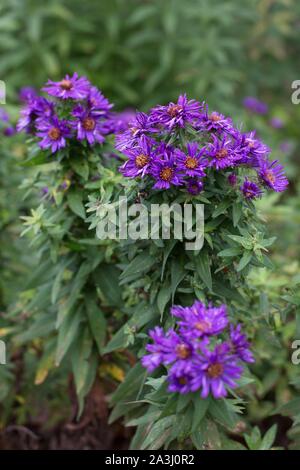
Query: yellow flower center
<point x="141" y="160"/>
<point x="54" y="133"/>
<point x="89" y="124"/>
<point x="215" y="370"/>
<point x="214" y="117"/>
<point x="183" y="351"/>
<point x="166" y="174"/>
<point x="202" y="326"/>
<point x="66" y="84"/>
<point x="270" y="176"/>
<point x="221" y="154"/>
<point x="174" y="109"/>
<point x="191" y="163"/>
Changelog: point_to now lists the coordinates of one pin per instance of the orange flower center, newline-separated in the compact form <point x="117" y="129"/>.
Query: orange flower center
<point x="191" y="163"/>
<point x="183" y="351"/>
<point x="66" y="84"/>
<point x="89" y="124"/>
<point x="270" y="176"/>
<point x="174" y="109"/>
<point x="215" y="370"/>
<point x="182" y="381"/>
<point x="221" y="154"/>
<point x="54" y="133"/>
<point x="141" y="160"/>
<point x="202" y="326"/>
<point x="214" y="117"/>
<point x="166" y="174"/>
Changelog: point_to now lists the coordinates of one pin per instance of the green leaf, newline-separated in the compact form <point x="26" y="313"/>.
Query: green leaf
<point x="219" y="410"/>
<point x="140" y="264"/>
<point x="246" y="258"/>
<point x="76" y="204"/>
<point x="268" y="438"/>
<point x="203" y="268"/>
<point x="81" y="167"/>
<point x="66" y="334"/>
<point x="163" y="297"/>
<point x="200" y="408"/>
<point x="97" y="322"/>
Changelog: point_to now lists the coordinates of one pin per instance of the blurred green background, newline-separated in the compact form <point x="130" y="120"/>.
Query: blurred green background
<point x="140" y="53"/>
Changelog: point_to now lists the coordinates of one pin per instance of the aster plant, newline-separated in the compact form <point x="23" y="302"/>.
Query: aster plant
<point x="73" y="288"/>
<point x="184" y="153"/>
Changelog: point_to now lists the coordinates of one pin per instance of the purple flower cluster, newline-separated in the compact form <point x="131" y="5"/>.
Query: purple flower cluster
<point x="254" y="105"/>
<point x="202" y="354"/>
<point x="77" y="110"/>
<point x="6" y="127"/>
<point x="180" y="144"/>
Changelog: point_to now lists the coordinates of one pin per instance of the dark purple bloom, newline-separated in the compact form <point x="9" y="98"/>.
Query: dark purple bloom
<point x="165" y="171"/>
<point x="215" y="122"/>
<point x="218" y="369"/>
<point x="9" y="131"/>
<point x="138" y="127"/>
<point x="4" y="116"/>
<point x="121" y="121"/>
<point x="192" y="163"/>
<point x="166" y="348"/>
<point x="277" y="123"/>
<point x="272" y="174"/>
<point x="140" y="157"/>
<point x="239" y="344"/>
<point x="182" y="378"/>
<point x="232" y="179"/>
<point x="255" y="105"/>
<point x="53" y="133"/>
<point x="224" y="153"/>
<point x="198" y="320"/>
<point x="88" y="125"/>
<point x="27" y="93"/>
<point x="176" y="114"/>
<point x="35" y="109"/>
<point x="250" y="189"/>
<point x="194" y="186"/>
<point x="76" y="88"/>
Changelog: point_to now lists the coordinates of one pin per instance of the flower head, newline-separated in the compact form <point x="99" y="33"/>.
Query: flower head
<point x="217" y="370"/>
<point x="76" y="88"/>
<point x="139" y="159"/>
<point x="198" y="320"/>
<point x="136" y="128"/>
<point x="88" y="125"/>
<point x="98" y="103"/>
<point x="250" y="189"/>
<point x="164" y="169"/>
<point x="255" y="105"/>
<point x="272" y="174"/>
<point x="215" y="122"/>
<point x="194" y="186"/>
<point x="27" y="93"/>
<point x="192" y="163"/>
<point x="239" y="344"/>
<point x="176" y="114"/>
<point x="53" y="133"/>
<point x="223" y="153"/>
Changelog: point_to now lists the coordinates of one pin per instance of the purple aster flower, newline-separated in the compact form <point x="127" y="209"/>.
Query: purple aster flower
<point x="98" y="103"/>
<point x="182" y="378"/>
<point x="27" y="93"/>
<point x="140" y="158"/>
<point x="215" y="122"/>
<point x="138" y="127"/>
<point x="218" y="369"/>
<point x="232" y="179"/>
<point x="272" y="174"/>
<point x="35" y="109"/>
<point x="191" y="162"/>
<point x="9" y="131"/>
<point x="255" y="105"/>
<point x="276" y="123"/>
<point x="121" y="121"/>
<point x="239" y="344"/>
<point x="166" y="348"/>
<point x="176" y="114"/>
<point x="250" y="190"/>
<point x="88" y="125"/>
<point x="198" y="320"/>
<point x="53" y="133"/>
<point x="252" y="149"/>
<point x="165" y="171"/>
<point x="76" y="88"/>
<point x="224" y="153"/>
<point x="194" y="186"/>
